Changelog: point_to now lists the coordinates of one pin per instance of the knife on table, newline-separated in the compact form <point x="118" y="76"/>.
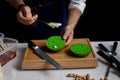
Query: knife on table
<point x="111" y="54"/>
<point x="42" y="54"/>
<point x="114" y="63"/>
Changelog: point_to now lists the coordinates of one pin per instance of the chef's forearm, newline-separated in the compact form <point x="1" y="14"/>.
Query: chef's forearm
<point x="76" y="9"/>
<point x="78" y="4"/>
<point x="73" y="17"/>
<point x="15" y="3"/>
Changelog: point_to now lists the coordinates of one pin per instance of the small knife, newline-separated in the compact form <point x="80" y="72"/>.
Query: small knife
<point x="42" y="54"/>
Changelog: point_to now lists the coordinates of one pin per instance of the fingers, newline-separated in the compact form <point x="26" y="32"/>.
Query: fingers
<point x="27" y="12"/>
<point x="67" y="36"/>
<point x="24" y="16"/>
<point x="26" y="20"/>
<point x="68" y="39"/>
<point x="35" y="17"/>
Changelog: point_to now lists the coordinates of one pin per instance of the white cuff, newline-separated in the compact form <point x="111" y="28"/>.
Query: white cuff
<point x="78" y="4"/>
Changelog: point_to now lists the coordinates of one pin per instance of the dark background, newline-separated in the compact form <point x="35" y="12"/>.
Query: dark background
<point x="99" y="22"/>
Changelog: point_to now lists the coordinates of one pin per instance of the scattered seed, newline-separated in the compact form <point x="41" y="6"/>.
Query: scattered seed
<point x="80" y="77"/>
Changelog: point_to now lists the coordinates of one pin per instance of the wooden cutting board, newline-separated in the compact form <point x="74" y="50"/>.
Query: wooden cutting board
<point x="63" y="57"/>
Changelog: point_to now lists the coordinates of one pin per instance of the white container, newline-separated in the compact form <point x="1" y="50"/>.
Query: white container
<point x="8" y="50"/>
<point x="1" y="37"/>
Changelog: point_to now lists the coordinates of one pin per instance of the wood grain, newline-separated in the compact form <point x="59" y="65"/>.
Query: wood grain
<point x="64" y="57"/>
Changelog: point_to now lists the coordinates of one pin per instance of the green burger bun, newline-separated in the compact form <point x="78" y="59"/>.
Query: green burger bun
<point x="55" y="43"/>
<point x="80" y="49"/>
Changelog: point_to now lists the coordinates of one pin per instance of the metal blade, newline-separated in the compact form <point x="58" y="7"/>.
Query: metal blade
<point x="107" y="71"/>
<point x="42" y="54"/>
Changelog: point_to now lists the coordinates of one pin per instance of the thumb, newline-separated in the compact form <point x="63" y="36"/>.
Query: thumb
<point x="27" y="11"/>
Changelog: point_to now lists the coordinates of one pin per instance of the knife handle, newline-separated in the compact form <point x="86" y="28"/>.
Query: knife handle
<point x="116" y="61"/>
<point x="114" y="48"/>
<point x="111" y="60"/>
<point x="30" y="44"/>
<point x="104" y="56"/>
<point x="115" y="45"/>
<point x="103" y="47"/>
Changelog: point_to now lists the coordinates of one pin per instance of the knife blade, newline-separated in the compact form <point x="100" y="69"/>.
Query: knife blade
<point x="42" y="54"/>
<point x="107" y="71"/>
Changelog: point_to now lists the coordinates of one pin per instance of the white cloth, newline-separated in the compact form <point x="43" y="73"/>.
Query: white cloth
<point x="12" y="70"/>
<point x="78" y="4"/>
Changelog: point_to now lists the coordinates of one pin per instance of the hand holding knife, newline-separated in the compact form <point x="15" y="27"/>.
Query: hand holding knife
<point x="42" y="54"/>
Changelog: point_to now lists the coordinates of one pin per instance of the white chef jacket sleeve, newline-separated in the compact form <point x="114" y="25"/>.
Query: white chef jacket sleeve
<point x="78" y="4"/>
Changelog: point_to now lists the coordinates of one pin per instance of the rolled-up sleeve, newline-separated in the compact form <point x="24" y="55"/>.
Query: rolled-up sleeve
<point x="78" y="4"/>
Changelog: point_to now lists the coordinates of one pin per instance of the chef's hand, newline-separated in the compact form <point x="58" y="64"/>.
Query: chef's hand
<point x="25" y="16"/>
<point x="67" y="34"/>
